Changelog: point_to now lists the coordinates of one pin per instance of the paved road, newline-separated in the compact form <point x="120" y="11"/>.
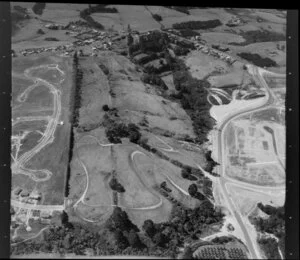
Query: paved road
<point x="257" y="74"/>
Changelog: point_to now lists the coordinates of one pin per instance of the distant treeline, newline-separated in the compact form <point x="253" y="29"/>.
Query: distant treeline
<point x="157" y="17"/>
<point x="182" y="9"/>
<point x="75" y="103"/>
<point x="188" y="33"/>
<point x="38" y="8"/>
<point x="100" y="9"/>
<point x="259" y="36"/>
<point x="85" y="14"/>
<point x="197" y="25"/>
<point x="257" y="60"/>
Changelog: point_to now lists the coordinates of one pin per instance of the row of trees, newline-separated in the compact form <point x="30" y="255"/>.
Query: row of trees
<point x="100" y="8"/>
<point x="157" y="17"/>
<point x="78" y="91"/>
<point x="274" y="224"/>
<point x="257" y="60"/>
<point x="75" y="104"/>
<point x="154" y="80"/>
<point x="116" y="130"/>
<point x="115" y="185"/>
<point x="187" y="172"/>
<point x="259" y="36"/>
<point x="85" y="14"/>
<point x="187" y="32"/>
<point x="193" y="97"/>
<point x="198" y="25"/>
<point x="38" y="8"/>
<point x="182" y="9"/>
<point x="270" y="247"/>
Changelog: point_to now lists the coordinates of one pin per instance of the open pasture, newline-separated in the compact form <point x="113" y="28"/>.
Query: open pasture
<point x="138" y="194"/>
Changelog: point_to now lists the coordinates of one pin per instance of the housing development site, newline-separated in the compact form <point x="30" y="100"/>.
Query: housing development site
<point x="40" y="121"/>
<point x="147" y="131"/>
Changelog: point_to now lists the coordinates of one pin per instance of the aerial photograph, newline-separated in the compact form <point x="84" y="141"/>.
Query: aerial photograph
<point x="142" y="131"/>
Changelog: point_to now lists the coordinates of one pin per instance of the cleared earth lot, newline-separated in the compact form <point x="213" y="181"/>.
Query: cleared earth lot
<point x="251" y="149"/>
<point x="53" y="156"/>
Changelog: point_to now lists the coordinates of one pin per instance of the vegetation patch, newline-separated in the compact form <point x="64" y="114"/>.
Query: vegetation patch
<point x="274" y="224"/>
<point x="188" y="32"/>
<point x="116" y="186"/>
<point x="259" y="36"/>
<point x="257" y="60"/>
<point x="157" y="17"/>
<point x="115" y="130"/>
<point x="182" y="9"/>
<point x="198" y="25"/>
<point x="38" y="8"/>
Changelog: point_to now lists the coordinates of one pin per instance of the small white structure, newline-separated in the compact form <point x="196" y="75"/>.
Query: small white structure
<point x="28" y="228"/>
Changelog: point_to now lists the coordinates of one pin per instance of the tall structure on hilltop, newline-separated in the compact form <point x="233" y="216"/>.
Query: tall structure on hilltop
<point x="128" y="28"/>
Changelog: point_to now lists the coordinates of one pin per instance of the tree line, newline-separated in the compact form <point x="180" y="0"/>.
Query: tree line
<point x="257" y="60"/>
<point x="198" y="25"/>
<point x="38" y="8"/>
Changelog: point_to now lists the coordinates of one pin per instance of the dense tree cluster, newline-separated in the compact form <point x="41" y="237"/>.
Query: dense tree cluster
<point x="78" y="90"/>
<point x="257" y="60"/>
<point x="193" y="191"/>
<point x="116" y="186"/>
<point x="75" y="104"/>
<point x="117" y="130"/>
<point x="105" y="108"/>
<point x="154" y="80"/>
<point x="101" y="8"/>
<point x="180" y="51"/>
<point x="188" y="32"/>
<point x="38" y="8"/>
<point x="187" y="174"/>
<point x="222" y="240"/>
<point x="40" y="31"/>
<point x="156" y="41"/>
<point x="164" y="186"/>
<point x="210" y="162"/>
<point x="182" y="9"/>
<point x="157" y="17"/>
<point x="197" y="25"/>
<point x="119" y="220"/>
<point x="104" y="68"/>
<point x="274" y="224"/>
<point x="163" y="66"/>
<point x="51" y="39"/>
<point x="86" y="15"/>
<point x="270" y="247"/>
<point x="121" y="236"/>
<point x="184" y="223"/>
<point x="192" y="95"/>
<point x="259" y="36"/>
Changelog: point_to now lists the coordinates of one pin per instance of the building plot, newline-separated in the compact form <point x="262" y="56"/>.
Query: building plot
<point x="40" y="141"/>
<point x="252" y="153"/>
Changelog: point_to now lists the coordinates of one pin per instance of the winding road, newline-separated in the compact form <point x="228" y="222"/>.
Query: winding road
<point x="270" y="99"/>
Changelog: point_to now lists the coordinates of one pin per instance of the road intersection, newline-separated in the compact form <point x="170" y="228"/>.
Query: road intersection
<point x="219" y="147"/>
